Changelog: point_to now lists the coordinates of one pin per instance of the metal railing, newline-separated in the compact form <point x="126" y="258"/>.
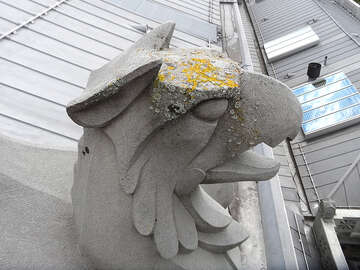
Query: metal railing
<point x="301" y="241"/>
<point x="309" y="173"/>
<point x="338" y="184"/>
<point x="258" y="28"/>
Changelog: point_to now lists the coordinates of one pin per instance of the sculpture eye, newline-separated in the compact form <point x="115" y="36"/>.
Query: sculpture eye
<point x="211" y="110"/>
<point x="174" y="109"/>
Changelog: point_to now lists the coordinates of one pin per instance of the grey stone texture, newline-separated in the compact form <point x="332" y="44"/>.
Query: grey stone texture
<point x="159" y="123"/>
<point x="36" y="218"/>
<point x="331" y="254"/>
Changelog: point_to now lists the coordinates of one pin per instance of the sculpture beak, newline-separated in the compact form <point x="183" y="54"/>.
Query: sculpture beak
<point x="247" y="166"/>
<point x="270" y="107"/>
<point x="277" y="115"/>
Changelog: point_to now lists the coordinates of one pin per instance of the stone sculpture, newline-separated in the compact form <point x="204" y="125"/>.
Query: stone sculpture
<point x="158" y="122"/>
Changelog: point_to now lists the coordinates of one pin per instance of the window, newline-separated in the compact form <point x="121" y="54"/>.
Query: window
<point x="328" y="104"/>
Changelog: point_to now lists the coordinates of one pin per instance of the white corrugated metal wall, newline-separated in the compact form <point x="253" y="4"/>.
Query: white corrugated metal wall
<point x="46" y="63"/>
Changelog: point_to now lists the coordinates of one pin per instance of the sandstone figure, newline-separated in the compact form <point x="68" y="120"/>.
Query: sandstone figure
<point x="159" y="122"/>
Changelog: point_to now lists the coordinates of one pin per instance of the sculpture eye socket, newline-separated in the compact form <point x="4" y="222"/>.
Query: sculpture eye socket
<point x="174" y="109"/>
<point x="211" y="110"/>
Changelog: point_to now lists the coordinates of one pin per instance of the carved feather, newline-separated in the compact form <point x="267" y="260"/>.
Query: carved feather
<point x="208" y="214"/>
<point x="185" y="226"/>
<point x="144" y="204"/>
<point x="165" y="234"/>
<point x="234" y="256"/>
<point x="224" y="240"/>
<point x="163" y="169"/>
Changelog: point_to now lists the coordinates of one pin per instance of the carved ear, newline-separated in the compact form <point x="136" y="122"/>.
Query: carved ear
<point x="157" y="39"/>
<point x="114" y="86"/>
<point x="98" y="109"/>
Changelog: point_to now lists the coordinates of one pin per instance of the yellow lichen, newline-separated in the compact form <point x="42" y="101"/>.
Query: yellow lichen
<point x="161" y="77"/>
<point x="239" y="113"/>
<point x="200" y="70"/>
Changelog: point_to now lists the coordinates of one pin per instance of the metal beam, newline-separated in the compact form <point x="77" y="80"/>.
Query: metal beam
<point x="344" y="177"/>
<point x="32" y="19"/>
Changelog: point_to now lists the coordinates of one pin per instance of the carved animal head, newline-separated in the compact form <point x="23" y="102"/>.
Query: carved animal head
<point x="179" y="118"/>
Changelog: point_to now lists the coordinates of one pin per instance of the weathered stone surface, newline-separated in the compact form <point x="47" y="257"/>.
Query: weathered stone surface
<point x="36" y="226"/>
<point x="209" y="216"/>
<point x="165" y="234"/>
<point x="158" y="122"/>
<point x="235" y="258"/>
<point x="144" y="201"/>
<point x="101" y="107"/>
<point x="223" y="193"/>
<point x="108" y="80"/>
<point x="260" y="108"/>
<point x="202" y="259"/>
<point x="327" y="209"/>
<point x="331" y="254"/>
<point x="232" y="236"/>
<point x="185" y="226"/>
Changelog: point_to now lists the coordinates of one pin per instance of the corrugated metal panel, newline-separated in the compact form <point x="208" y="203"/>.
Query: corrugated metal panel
<point x="47" y="63"/>
<point x="276" y="18"/>
<point x="7" y="12"/>
<point x="324" y="160"/>
<point x="301" y="245"/>
<point x="114" y="7"/>
<point x="20" y="105"/>
<point x="37" y="83"/>
<point x="192" y="9"/>
<point x="198" y="25"/>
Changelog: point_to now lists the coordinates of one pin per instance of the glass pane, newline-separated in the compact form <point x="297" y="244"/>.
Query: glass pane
<point x="306" y="88"/>
<point x="333" y="107"/>
<point x="324" y="90"/>
<point x="303" y="89"/>
<point x="331" y="119"/>
<point x="328" y="98"/>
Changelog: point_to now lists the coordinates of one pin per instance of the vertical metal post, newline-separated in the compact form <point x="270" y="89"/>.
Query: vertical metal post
<point x="244" y="46"/>
<point x="309" y="173"/>
<point x="301" y="242"/>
